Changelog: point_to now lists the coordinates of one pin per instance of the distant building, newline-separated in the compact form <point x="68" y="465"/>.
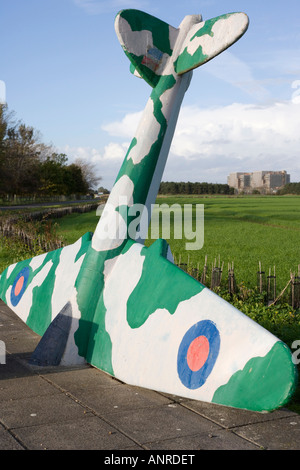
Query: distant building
<point x="266" y="182"/>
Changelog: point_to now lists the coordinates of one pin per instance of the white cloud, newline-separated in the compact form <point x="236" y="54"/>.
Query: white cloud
<point x="115" y="152"/>
<point x="124" y="128"/>
<point x="238" y="137"/>
<point x="210" y="143"/>
<point x="238" y="128"/>
<point x="112" y="152"/>
<point x="107" y="161"/>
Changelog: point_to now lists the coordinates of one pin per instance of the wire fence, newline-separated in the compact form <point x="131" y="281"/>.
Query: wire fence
<point x="37" y="230"/>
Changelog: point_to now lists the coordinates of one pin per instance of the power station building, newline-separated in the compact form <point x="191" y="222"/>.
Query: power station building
<point x="266" y="182"/>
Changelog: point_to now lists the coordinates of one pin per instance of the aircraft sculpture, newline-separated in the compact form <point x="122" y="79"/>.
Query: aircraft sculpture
<point x="126" y="309"/>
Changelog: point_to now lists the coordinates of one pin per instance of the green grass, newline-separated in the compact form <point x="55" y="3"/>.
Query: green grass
<point x="242" y="230"/>
<point x="73" y="226"/>
<point x="13" y="251"/>
<point x="246" y="230"/>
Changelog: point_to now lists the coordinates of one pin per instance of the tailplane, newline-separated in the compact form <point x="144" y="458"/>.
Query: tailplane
<point x="208" y="39"/>
<point x="150" y="43"/>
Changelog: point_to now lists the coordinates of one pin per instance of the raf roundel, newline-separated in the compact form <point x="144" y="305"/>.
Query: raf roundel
<point x="19" y="286"/>
<point x="197" y="354"/>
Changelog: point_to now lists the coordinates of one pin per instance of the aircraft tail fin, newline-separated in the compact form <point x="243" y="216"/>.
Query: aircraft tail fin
<point x="147" y="41"/>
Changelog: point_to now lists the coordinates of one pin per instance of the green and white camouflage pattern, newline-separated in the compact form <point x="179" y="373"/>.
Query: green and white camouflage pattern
<point x="127" y="309"/>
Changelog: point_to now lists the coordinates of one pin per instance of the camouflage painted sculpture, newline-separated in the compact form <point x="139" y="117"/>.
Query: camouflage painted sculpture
<point x="127" y="309"/>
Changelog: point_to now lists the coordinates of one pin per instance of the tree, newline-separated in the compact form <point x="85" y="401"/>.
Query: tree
<point x="89" y="173"/>
<point x="103" y="190"/>
<point x="3" y="127"/>
<point x="51" y="176"/>
<point x="20" y="153"/>
<point x="58" y="178"/>
<point x="290" y="188"/>
<point x="194" y="188"/>
<point x="28" y="166"/>
<point x="74" y="180"/>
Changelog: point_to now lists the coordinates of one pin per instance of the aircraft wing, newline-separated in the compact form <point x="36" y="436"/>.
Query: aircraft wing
<point x="148" y="324"/>
<point x="170" y="333"/>
<point x="37" y="289"/>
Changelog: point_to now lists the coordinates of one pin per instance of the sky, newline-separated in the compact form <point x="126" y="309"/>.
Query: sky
<point x="63" y="71"/>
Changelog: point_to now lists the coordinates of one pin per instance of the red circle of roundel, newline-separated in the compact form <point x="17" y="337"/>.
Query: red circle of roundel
<point x="197" y="354"/>
<point x="19" y="286"/>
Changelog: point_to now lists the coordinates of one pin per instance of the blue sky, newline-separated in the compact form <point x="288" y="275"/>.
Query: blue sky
<point x="66" y="75"/>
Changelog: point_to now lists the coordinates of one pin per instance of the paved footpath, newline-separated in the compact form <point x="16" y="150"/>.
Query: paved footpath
<point x="85" y="409"/>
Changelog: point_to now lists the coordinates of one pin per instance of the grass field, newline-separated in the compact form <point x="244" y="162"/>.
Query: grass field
<point x="242" y="230"/>
<point x="247" y="230"/>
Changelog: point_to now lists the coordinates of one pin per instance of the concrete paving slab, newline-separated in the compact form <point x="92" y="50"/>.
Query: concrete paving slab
<point x="231" y="417"/>
<point x="283" y="434"/>
<point x="87" y="433"/>
<point x="8" y="441"/>
<point x="20" y="387"/>
<point x="217" y="440"/>
<point x="79" y="379"/>
<point x="19" y="342"/>
<point x="108" y="401"/>
<point x="170" y="426"/>
<point x="13" y="369"/>
<point x="33" y="411"/>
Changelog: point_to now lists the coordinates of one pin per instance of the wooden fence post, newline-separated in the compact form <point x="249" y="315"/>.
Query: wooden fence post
<point x="295" y="289"/>
<point x="271" y="287"/>
<point x="261" y="279"/>
<point x="231" y="279"/>
<point x="204" y="272"/>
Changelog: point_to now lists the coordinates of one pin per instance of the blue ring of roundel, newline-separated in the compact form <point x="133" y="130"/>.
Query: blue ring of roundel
<point x="195" y="379"/>
<point x="15" y="299"/>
